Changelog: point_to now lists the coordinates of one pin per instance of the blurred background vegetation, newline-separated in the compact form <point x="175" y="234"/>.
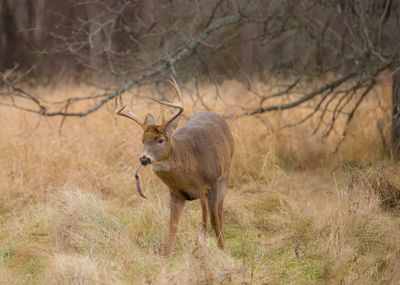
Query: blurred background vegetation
<point x="124" y="38"/>
<point x="327" y="56"/>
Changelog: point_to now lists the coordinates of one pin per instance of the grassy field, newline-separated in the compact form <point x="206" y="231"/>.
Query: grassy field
<point x="296" y="212"/>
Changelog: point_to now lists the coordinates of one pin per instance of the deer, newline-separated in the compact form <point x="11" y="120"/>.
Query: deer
<point x="193" y="161"/>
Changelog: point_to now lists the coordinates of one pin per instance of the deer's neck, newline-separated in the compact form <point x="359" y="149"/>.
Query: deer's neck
<point x="161" y="166"/>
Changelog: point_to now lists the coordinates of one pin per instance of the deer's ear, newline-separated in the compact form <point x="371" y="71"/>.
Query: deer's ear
<point x="172" y="125"/>
<point x="149" y="120"/>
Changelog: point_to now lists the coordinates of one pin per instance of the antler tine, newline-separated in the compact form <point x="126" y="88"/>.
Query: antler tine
<point x="122" y="112"/>
<point x="179" y="106"/>
<point x="175" y="85"/>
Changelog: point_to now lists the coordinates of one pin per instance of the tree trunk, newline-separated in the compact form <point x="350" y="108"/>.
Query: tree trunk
<point x="396" y="115"/>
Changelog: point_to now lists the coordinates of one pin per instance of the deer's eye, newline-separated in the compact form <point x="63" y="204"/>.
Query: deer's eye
<point x="160" y="141"/>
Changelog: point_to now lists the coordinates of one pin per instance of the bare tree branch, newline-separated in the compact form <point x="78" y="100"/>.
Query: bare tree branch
<point x="157" y="69"/>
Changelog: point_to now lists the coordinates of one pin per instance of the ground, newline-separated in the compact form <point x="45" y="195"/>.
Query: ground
<point x="295" y="213"/>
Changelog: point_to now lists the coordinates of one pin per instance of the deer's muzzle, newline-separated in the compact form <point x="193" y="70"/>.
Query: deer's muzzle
<point x="144" y="160"/>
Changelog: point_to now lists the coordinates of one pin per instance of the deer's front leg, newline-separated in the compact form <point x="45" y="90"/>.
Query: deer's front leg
<point x="176" y="204"/>
<point x="204" y="210"/>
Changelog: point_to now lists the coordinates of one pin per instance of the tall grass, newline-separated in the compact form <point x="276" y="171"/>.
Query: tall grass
<point x="296" y="211"/>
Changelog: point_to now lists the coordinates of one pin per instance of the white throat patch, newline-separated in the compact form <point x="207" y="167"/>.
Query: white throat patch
<point x="163" y="166"/>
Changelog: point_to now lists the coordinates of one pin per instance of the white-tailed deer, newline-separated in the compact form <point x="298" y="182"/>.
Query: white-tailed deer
<point x="193" y="161"/>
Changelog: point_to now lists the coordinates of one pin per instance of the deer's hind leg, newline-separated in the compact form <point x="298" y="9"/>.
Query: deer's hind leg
<point x="214" y="204"/>
<point x="222" y="188"/>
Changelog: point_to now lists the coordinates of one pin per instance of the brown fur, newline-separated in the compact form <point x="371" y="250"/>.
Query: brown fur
<point x="196" y="161"/>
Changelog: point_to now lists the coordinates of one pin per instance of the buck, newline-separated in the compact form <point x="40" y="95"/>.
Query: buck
<point x="193" y="161"/>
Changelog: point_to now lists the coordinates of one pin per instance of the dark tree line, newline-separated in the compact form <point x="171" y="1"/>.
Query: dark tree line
<point x="346" y="43"/>
<point x="122" y="38"/>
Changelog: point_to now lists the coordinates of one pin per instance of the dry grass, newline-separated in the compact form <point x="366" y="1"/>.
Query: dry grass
<point x="295" y="214"/>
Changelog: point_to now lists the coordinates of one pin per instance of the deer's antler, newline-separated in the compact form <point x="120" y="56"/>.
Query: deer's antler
<point x="178" y="106"/>
<point x="127" y="114"/>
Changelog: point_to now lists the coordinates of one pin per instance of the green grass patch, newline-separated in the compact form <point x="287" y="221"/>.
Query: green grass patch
<point x="6" y="254"/>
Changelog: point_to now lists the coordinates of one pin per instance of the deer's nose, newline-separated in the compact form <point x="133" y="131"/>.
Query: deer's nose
<point x="144" y="160"/>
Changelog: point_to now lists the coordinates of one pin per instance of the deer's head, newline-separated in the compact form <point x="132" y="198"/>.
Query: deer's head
<point x="156" y="138"/>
